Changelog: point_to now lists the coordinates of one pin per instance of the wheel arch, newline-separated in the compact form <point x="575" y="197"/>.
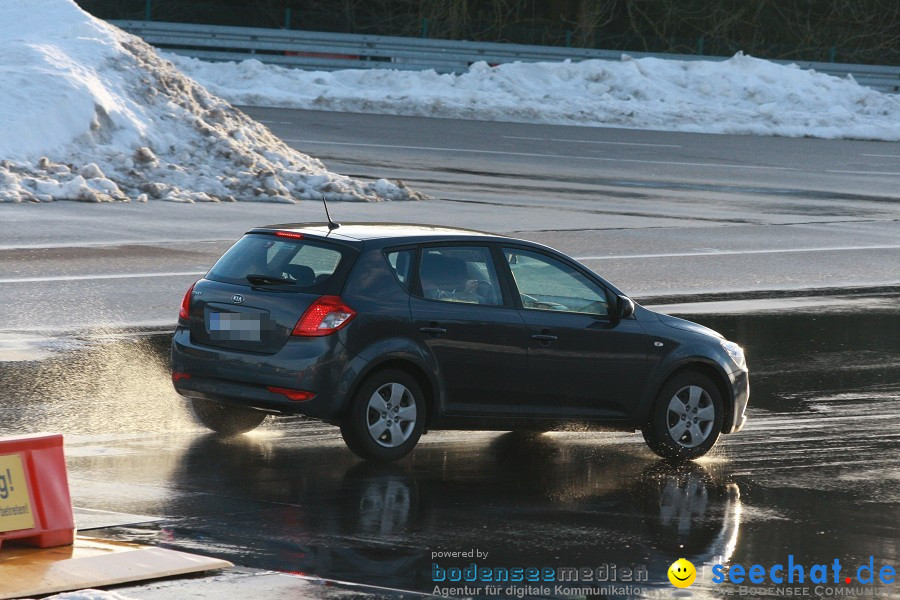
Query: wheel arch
<point x="410" y="367"/>
<point x="715" y="374"/>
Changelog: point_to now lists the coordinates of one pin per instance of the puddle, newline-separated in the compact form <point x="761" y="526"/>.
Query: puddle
<point x="26" y="347"/>
<point x="819" y="304"/>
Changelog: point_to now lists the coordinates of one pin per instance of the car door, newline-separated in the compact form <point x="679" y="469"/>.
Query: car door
<point x="582" y="362"/>
<point x="471" y="330"/>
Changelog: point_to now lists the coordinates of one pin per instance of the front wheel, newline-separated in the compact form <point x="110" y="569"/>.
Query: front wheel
<point x="227" y="420"/>
<point x="386" y="417"/>
<point x="686" y="419"/>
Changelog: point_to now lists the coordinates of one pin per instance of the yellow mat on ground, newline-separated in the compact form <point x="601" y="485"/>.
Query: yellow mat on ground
<point x="90" y="562"/>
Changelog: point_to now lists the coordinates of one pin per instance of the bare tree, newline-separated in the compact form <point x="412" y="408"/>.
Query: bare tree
<point x="846" y="30"/>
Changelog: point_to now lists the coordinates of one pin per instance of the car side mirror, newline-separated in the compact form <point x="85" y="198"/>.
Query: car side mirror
<point x="624" y="307"/>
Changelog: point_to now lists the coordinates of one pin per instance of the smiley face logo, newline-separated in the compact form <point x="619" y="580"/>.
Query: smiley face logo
<point x="682" y="573"/>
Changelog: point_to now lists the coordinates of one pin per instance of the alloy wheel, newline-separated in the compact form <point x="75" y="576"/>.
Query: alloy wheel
<point x="391" y="415"/>
<point x="690" y="416"/>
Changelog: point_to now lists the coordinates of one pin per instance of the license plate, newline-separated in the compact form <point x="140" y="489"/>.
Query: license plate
<point x="234" y="326"/>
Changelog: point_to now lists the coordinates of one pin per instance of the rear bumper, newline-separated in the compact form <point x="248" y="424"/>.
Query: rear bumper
<point x="312" y="364"/>
<point x="242" y="394"/>
<point x="740" y="383"/>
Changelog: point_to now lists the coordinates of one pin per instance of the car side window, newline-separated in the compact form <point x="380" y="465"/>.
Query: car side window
<point x="459" y="274"/>
<point x="401" y="265"/>
<point x="545" y="283"/>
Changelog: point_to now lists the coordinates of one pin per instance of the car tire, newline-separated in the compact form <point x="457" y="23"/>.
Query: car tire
<point x="227" y="420"/>
<point x="686" y="418"/>
<point x="386" y="417"/>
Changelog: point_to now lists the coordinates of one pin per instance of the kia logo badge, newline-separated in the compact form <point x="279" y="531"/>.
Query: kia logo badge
<point x="237" y="298"/>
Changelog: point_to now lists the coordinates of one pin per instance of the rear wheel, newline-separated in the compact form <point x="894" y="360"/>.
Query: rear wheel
<point x="386" y="417"/>
<point x="686" y="419"/>
<point x="227" y="420"/>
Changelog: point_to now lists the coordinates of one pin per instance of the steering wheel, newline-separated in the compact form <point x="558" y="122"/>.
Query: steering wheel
<point x="485" y="290"/>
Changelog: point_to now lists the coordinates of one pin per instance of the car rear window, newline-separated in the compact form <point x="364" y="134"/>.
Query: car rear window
<point x="266" y="260"/>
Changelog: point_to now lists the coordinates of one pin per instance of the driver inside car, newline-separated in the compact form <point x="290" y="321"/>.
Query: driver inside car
<point x="446" y="278"/>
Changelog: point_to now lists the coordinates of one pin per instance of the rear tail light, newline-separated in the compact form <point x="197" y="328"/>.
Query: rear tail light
<point x="324" y="316"/>
<point x="295" y="395"/>
<point x="176" y="376"/>
<point x="185" y="313"/>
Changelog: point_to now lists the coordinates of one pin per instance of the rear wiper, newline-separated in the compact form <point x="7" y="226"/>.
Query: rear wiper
<point x="269" y="280"/>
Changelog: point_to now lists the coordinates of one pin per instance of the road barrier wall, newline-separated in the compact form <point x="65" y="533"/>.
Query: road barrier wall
<point x="314" y="50"/>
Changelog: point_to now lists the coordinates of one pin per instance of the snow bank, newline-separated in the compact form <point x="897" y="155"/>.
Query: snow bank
<point x="92" y="113"/>
<point x="742" y="95"/>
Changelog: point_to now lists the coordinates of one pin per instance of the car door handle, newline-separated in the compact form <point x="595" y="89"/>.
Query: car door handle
<point x="543" y="338"/>
<point x="433" y="331"/>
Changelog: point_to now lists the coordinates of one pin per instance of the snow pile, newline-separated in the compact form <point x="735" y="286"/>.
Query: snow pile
<point x="92" y="113"/>
<point x="89" y="594"/>
<point x="742" y="95"/>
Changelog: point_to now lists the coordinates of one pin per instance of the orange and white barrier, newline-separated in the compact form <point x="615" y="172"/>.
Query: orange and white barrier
<point x="35" y="506"/>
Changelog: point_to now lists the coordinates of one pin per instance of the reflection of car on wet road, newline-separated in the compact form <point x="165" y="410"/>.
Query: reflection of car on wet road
<point x="390" y="330"/>
<point x="316" y="511"/>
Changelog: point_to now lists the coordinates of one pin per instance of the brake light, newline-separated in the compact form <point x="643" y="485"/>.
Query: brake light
<point x="176" y="376"/>
<point x="289" y="234"/>
<point x="185" y="313"/>
<point x="323" y="317"/>
<point x="296" y="395"/>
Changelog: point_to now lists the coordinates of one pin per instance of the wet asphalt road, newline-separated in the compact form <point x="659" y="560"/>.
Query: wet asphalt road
<point x="815" y="474"/>
<point x="668" y="217"/>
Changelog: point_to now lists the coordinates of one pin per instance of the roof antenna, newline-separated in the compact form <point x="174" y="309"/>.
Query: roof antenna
<point x="331" y="224"/>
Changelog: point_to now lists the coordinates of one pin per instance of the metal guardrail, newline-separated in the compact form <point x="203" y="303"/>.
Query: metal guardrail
<point x="332" y="51"/>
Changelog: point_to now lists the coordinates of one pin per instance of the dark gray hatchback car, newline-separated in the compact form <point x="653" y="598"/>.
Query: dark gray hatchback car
<point x="389" y="330"/>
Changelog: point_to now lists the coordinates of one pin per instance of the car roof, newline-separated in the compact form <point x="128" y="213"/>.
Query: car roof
<point x="399" y="233"/>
